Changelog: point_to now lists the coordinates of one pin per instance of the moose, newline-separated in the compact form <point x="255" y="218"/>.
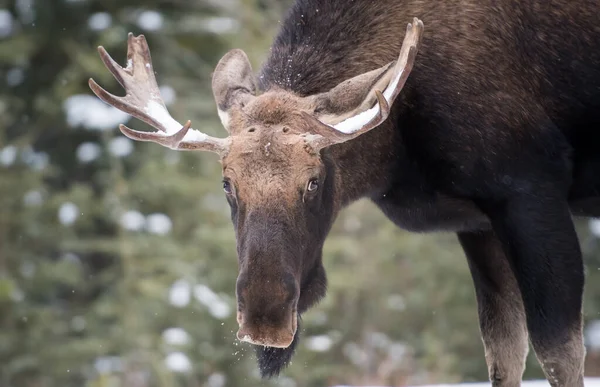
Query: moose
<point x="494" y="136"/>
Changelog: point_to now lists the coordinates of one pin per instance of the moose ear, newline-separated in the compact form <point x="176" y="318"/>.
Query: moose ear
<point x="233" y="83"/>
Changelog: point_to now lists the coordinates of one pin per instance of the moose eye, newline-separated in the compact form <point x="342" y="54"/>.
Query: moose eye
<point x="227" y="187"/>
<point x="313" y="185"/>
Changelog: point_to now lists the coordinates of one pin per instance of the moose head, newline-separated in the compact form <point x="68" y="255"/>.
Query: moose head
<point x="279" y="179"/>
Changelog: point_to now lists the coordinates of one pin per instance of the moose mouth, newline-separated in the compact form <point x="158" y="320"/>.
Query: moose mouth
<point x="274" y="355"/>
<point x="272" y="360"/>
<point x="267" y="336"/>
<point x="274" y="345"/>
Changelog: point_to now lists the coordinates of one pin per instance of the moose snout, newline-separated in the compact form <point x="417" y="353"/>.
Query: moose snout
<point x="267" y="312"/>
<point x="270" y="336"/>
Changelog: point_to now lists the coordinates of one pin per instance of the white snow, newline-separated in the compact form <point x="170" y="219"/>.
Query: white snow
<point x="160" y="114"/>
<point x="26" y="11"/>
<point x="595" y="227"/>
<point x="150" y="20"/>
<point x="17" y="295"/>
<point x="168" y="94"/>
<point x="356" y="122"/>
<point x="178" y="362"/>
<point x="216" y="380"/>
<point x="354" y="353"/>
<point x="78" y="323"/>
<point x="33" y="198"/>
<point x="27" y="269"/>
<point x="158" y="224"/>
<point x="176" y="336"/>
<point x="378" y="340"/>
<point x="15" y="76"/>
<point x="6" y="23"/>
<point x="36" y="160"/>
<point x="320" y="343"/>
<point x="88" y="151"/>
<point x="8" y="155"/>
<point x="391" y="87"/>
<point x="217" y="307"/>
<point x="592" y="334"/>
<point x="90" y="112"/>
<point x="220" y="310"/>
<point x="68" y="213"/>
<point x="99" y="21"/>
<point x="120" y="146"/>
<point x="108" y="364"/>
<point x="180" y="293"/>
<point x="286" y="382"/>
<point x="224" y="118"/>
<point x="133" y="220"/>
<point x="194" y="135"/>
<point x="589" y="382"/>
<point x="71" y="258"/>
<point x="397" y="352"/>
<point x="220" y="25"/>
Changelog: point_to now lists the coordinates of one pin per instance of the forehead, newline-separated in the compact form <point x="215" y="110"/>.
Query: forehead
<point x="273" y="108"/>
<point x="267" y="138"/>
<point x="269" y="149"/>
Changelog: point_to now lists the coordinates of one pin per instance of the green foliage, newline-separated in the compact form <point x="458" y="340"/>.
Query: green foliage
<point x="88" y="301"/>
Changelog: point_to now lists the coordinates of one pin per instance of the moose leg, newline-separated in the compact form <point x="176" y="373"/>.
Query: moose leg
<point x="501" y="313"/>
<point x="538" y="235"/>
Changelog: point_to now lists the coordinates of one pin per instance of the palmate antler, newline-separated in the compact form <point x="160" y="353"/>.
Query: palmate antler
<point x="143" y="101"/>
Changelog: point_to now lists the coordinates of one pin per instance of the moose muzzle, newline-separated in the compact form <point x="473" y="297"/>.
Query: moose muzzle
<point x="267" y="310"/>
<point x="268" y="335"/>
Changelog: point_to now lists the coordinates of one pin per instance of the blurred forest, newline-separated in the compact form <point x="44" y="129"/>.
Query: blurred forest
<point x="118" y="261"/>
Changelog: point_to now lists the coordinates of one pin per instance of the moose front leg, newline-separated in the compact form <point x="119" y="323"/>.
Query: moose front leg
<point x="501" y="313"/>
<point x="538" y="235"/>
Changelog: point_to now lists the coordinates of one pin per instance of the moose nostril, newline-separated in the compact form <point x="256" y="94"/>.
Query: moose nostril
<point x="243" y="335"/>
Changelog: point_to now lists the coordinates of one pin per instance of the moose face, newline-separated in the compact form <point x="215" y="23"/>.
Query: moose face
<point x="282" y="199"/>
<point x="278" y="177"/>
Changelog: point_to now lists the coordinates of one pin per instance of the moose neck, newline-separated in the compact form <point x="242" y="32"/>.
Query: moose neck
<point x="323" y="42"/>
<point x="367" y="165"/>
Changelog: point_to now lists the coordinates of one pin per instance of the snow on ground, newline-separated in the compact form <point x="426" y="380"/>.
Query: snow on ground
<point x="589" y="382"/>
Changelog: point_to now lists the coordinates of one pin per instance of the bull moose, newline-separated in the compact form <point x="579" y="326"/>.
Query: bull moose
<point x="494" y="136"/>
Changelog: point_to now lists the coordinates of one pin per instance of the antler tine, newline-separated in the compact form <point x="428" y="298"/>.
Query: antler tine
<point x="195" y="140"/>
<point x="406" y="59"/>
<point x="144" y="102"/>
<point x="170" y="141"/>
<point x="327" y="135"/>
<point x="371" y="118"/>
<point x="112" y="66"/>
